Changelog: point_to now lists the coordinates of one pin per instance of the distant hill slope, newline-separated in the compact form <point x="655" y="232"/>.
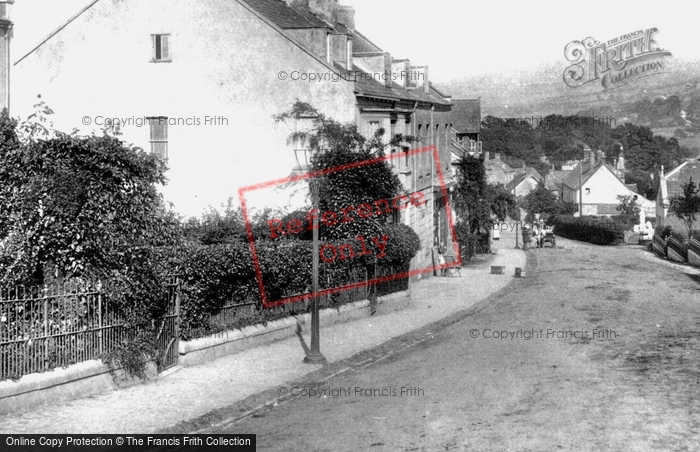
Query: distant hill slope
<point x="542" y="91"/>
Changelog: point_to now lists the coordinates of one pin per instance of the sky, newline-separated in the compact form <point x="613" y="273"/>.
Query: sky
<point x="459" y="38"/>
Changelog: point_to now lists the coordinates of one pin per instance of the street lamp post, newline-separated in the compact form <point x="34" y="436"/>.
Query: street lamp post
<point x="314" y="355"/>
<point x="517" y="247"/>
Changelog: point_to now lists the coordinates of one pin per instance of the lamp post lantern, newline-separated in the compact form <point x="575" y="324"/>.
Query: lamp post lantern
<point x="314" y="355"/>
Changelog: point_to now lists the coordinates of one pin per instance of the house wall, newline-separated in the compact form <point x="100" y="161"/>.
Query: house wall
<point x="603" y="188"/>
<point x="225" y="63"/>
<point x="433" y="129"/>
<point x="661" y="208"/>
<point x="526" y="186"/>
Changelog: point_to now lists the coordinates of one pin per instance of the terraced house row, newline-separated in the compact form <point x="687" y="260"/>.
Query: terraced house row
<point x="198" y="83"/>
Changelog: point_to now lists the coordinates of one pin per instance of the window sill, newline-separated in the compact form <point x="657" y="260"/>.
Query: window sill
<point x="153" y="60"/>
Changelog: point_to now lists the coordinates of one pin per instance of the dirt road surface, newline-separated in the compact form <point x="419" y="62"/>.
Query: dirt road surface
<point x="596" y="349"/>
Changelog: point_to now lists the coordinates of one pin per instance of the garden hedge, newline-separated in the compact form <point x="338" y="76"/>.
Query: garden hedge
<point x="599" y="231"/>
<point x="215" y="275"/>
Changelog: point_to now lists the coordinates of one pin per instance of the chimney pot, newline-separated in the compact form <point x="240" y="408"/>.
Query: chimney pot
<point x="346" y="16"/>
<point x="5" y="9"/>
<point x="327" y="9"/>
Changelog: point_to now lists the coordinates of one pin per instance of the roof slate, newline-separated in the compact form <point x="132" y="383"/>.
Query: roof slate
<point x="366" y="85"/>
<point x="361" y="44"/>
<point x="551" y="186"/>
<point x="516" y="181"/>
<point x="676" y="178"/>
<point x="572" y="179"/>
<point x="559" y="175"/>
<point x="284" y="16"/>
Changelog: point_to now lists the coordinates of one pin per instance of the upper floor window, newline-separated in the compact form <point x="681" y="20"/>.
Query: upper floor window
<point x="159" y="136"/>
<point x="373" y="128"/>
<point x="161" y="48"/>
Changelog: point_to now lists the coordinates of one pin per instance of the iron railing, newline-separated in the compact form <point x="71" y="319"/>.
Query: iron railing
<point x="169" y="332"/>
<point x="231" y="313"/>
<point x="54" y="326"/>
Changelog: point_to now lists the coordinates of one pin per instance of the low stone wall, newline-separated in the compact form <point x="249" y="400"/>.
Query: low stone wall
<point x="93" y="377"/>
<point x="206" y="349"/>
<point x="61" y="385"/>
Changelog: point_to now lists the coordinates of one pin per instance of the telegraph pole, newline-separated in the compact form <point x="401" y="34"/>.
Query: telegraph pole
<point x="580" y="190"/>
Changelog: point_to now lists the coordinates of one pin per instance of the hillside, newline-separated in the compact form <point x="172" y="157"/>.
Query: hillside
<point x="541" y="92"/>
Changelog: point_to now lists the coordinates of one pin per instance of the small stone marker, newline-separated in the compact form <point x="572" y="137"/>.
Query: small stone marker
<point x="518" y="272"/>
<point x="497" y="270"/>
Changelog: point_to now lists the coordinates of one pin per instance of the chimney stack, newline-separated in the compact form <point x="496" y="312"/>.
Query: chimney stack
<point x="419" y="78"/>
<point x="346" y="16"/>
<point x="5" y="63"/>
<point x="326" y="9"/>
<point x="299" y="4"/>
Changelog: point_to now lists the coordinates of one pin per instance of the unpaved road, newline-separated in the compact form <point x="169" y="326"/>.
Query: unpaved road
<point x="612" y="363"/>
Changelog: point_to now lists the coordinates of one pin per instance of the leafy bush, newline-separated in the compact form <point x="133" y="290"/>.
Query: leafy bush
<point x="468" y="241"/>
<point x="214" y="275"/>
<point x="403" y="244"/>
<point x="678" y="236"/>
<point x="663" y="231"/>
<point x="592" y="230"/>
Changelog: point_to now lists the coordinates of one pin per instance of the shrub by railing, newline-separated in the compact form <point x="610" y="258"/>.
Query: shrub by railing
<point x="598" y="231"/>
<point x="678" y="246"/>
<point x="49" y="327"/>
<point x="44" y="328"/>
<point x="683" y="248"/>
<point x="694" y="245"/>
<point x="220" y="288"/>
<point x="238" y="315"/>
<point x="659" y="245"/>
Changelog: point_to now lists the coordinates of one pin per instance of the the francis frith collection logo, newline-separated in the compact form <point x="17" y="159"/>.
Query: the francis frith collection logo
<point x="615" y="62"/>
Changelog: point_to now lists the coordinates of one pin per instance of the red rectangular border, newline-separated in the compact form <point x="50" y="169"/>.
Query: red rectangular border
<point x="299" y="177"/>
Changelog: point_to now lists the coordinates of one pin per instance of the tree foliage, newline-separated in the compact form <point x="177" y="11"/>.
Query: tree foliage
<point x="88" y="208"/>
<point x="629" y="210"/>
<point x="561" y="138"/>
<point x="543" y="202"/>
<point x="510" y="136"/>
<point x="84" y="207"/>
<point x="343" y="154"/>
<point x="78" y="206"/>
<point x="687" y="206"/>
<point x="477" y="202"/>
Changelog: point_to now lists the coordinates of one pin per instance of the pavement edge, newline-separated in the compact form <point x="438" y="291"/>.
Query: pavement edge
<point x="255" y="404"/>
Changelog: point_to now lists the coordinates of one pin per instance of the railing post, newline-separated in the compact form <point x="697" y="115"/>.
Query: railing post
<point x="177" y="309"/>
<point x="46" y="325"/>
<point x="99" y="317"/>
<point x="373" y="291"/>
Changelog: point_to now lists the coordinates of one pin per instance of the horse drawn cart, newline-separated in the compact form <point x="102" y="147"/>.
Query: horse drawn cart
<point x="550" y="238"/>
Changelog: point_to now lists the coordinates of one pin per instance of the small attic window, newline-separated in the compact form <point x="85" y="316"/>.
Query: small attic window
<point x="161" y="48"/>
